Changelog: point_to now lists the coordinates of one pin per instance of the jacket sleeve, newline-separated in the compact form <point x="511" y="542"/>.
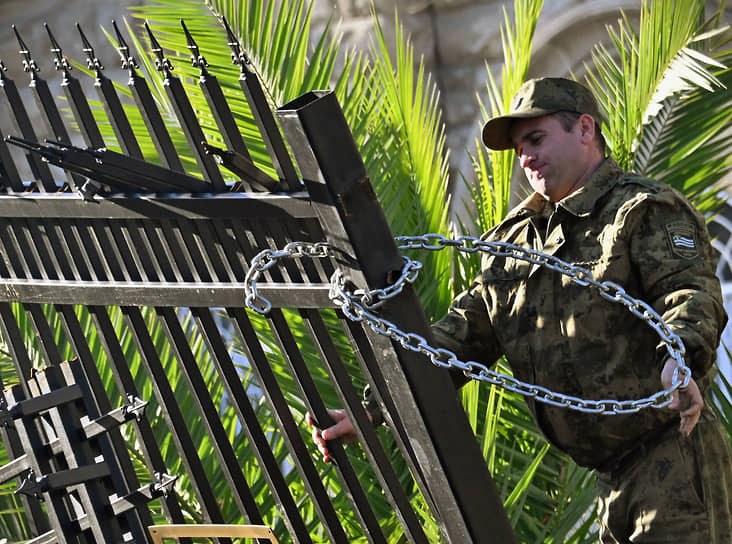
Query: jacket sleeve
<point x="466" y="330"/>
<point x="676" y="263"/>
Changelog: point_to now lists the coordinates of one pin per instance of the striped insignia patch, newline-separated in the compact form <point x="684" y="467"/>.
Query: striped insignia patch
<point x="682" y="239"/>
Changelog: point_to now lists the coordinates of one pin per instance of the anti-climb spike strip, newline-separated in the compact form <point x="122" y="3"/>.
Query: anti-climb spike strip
<point x="29" y="65"/>
<point x="59" y="60"/>
<point x="92" y="61"/>
<point x="197" y="60"/>
<point x="128" y="61"/>
<point x="162" y="63"/>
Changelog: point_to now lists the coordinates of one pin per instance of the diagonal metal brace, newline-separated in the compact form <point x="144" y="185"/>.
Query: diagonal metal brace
<point x="243" y="167"/>
<point x="111" y="168"/>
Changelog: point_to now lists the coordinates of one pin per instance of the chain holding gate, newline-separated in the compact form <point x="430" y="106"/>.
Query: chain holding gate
<point x="358" y="306"/>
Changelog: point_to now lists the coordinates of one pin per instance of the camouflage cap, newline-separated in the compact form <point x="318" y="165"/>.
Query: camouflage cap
<point x="539" y="97"/>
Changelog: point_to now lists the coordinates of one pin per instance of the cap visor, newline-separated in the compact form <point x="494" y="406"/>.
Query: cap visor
<point x="497" y="131"/>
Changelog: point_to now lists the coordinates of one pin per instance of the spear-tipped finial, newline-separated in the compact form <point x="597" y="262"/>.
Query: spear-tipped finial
<point x="128" y="61"/>
<point x="91" y="59"/>
<point x="59" y="61"/>
<point x="197" y="60"/>
<point x="162" y="63"/>
<point x="237" y="55"/>
<point x="3" y="68"/>
<point x="29" y="65"/>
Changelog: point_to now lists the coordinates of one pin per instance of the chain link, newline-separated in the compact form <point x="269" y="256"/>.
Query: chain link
<point x="358" y="306"/>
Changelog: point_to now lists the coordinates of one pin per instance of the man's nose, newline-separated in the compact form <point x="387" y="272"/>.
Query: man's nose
<point x="525" y="159"/>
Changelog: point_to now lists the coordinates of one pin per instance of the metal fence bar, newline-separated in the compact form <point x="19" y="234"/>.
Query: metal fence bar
<point x="22" y="121"/>
<point x="173" y="416"/>
<point x="239" y="399"/>
<point x="383" y="469"/>
<point x="111" y="102"/>
<point x="46" y="105"/>
<point x="301" y="375"/>
<point x="75" y="96"/>
<point x="288" y="427"/>
<point x="146" y="104"/>
<point x="210" y="417"/>
<point x="336" y="178"/>
<point x="9" y="176"/>
<point x="249" y="82"/>
<point x="126" y="385"/>
<point x="186" y="116"/>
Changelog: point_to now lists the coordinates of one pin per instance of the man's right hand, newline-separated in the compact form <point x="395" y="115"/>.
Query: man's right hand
<point x="343" y="429"/>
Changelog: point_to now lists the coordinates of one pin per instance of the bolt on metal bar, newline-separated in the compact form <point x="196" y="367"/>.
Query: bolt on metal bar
<point x="186" y="116"/>
<point x="47" y="106"/>
<point x="111" y="102"/>
<point x="249" y="82"/>
<point x="146" y="104"/>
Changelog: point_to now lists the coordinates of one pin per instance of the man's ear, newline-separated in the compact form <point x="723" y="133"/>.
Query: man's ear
<point x="586" y="127"/>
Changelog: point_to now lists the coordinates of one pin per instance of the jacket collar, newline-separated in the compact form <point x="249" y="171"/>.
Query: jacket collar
<point x="583" y="200"/>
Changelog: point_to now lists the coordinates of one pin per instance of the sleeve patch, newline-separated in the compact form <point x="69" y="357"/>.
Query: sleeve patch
<point x="682" y="239"/>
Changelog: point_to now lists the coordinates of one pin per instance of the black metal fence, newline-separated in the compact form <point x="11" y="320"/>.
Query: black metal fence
<point x="123" y="309"/>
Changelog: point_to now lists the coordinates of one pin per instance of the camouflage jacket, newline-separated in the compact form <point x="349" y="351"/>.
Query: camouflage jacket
<point x="633" y="231"/>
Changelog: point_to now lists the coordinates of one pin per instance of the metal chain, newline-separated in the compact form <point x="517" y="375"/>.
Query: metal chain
<point x="357" y="305"/>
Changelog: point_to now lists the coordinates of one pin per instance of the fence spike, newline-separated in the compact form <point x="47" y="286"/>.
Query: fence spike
<point x="238" y="56"/>
<point x="92" y="61"/>
<point x="197" y="60"/>
<point x="128" y="61"/>
<point x="29" y="65"/>
<point x="59" y="61"/>
<point x="162" y="63"/>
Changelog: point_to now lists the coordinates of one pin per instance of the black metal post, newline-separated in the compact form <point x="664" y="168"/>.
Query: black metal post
<point x="467" y="504"/>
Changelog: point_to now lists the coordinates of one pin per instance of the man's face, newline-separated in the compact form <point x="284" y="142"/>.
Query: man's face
<point x="551" y="157"/>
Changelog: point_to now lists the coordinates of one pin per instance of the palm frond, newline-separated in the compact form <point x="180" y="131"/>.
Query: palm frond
<point x="648" y="68"/>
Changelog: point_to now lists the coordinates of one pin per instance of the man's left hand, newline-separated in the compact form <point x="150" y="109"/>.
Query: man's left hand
<point x="687" y="401"/>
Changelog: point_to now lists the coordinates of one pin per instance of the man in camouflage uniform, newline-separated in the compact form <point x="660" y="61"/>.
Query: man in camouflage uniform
<point x="657" y="481"/>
